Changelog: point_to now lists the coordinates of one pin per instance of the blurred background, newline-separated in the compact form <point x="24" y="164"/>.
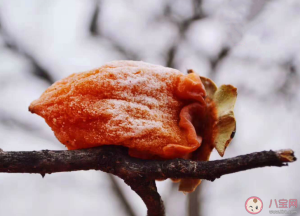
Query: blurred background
<point x="252" y="44"/>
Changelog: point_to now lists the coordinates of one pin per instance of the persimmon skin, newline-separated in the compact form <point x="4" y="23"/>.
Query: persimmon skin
<point x="145" y="107"/>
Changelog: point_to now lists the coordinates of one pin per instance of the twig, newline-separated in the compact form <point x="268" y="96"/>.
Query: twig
<point x="115" y="160"/>
<point x="118" y="191"/>
<point x="147" y="190"/>
<point x="137" y="173"/>
<point x="193" y="202"/>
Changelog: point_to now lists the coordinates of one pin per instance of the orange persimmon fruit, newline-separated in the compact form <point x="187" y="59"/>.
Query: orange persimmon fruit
<point x="157" y="112"/>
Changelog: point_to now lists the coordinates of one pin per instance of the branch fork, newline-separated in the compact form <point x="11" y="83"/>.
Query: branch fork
<point x="139" y="174"/>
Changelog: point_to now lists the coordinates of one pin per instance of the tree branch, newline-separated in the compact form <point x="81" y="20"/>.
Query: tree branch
<point x="147" y="190"/>
<point x="137" y="173"/>
<point x="120" y="195"/>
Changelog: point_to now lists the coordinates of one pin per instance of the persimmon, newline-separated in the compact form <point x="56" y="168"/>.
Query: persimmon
<point x="155" y="111"/>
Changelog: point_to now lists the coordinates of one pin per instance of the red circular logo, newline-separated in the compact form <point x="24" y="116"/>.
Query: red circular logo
<point x="254" y="205"/>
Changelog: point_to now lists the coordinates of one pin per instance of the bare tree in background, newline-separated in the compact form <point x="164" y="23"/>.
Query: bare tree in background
<point x="194" y="207"/>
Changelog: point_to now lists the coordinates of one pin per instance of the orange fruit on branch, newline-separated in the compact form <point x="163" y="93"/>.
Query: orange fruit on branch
<point x="157" y="112"/>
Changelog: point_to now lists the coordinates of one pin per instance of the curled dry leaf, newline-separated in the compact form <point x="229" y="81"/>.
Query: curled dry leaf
<point x="157" y="112"/>
<point x="219" y="126"/>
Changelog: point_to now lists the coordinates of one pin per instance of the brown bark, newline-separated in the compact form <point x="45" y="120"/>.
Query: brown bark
<point x="139" y="174"/>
